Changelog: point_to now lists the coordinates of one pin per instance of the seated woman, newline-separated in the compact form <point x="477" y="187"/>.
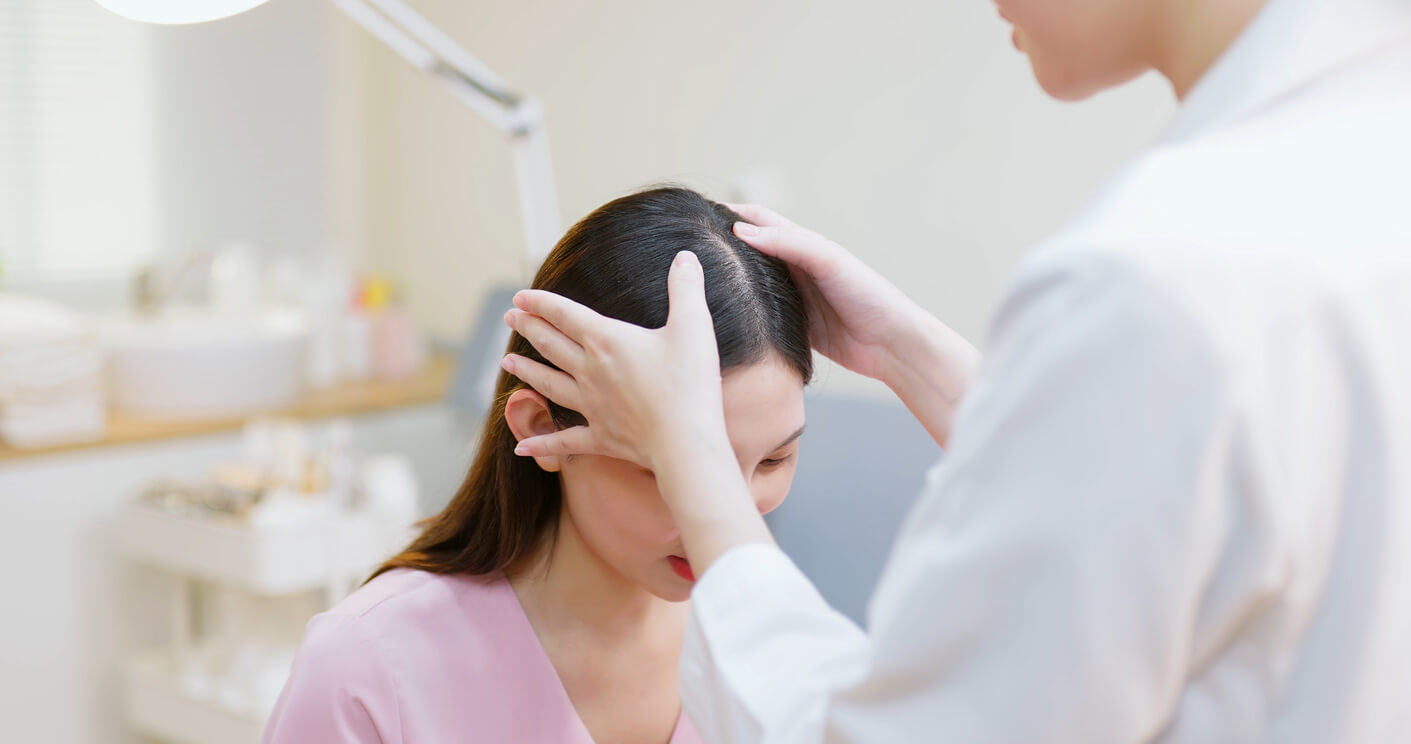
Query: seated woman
<point x="546" y="602"/>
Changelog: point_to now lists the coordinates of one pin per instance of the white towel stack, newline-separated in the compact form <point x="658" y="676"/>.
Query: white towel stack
<point x="51" y="375"/>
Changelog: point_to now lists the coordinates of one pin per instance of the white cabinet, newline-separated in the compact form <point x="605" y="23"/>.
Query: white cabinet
<point x="239" y="601"/>
<point x="80" y="614"/>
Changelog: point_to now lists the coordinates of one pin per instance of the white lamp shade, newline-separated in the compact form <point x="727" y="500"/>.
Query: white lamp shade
<point x="177" y="11"/>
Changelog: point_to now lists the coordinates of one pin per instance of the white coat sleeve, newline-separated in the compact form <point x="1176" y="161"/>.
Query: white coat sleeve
<point x="1048" y="585"/>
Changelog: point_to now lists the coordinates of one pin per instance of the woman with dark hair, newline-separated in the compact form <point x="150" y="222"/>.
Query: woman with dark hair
<point x="545" y="603"/>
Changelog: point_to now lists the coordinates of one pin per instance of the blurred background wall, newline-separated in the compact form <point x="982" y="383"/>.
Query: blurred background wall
<point x="910" y="132"/>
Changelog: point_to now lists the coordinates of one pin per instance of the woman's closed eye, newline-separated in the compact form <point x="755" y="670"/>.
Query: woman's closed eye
<point x="774" y="462"/>
<point x="783" y="453"/>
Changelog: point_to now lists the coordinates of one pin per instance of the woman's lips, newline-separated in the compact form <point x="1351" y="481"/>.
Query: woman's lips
<point x="681" y="567"/>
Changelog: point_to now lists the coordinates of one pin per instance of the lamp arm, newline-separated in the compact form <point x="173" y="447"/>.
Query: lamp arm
<point x="520" y="117"/>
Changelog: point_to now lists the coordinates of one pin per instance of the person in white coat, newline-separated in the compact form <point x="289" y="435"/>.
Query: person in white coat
<point x="1176" y="501"/>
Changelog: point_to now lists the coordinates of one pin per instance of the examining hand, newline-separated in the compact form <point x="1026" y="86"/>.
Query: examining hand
<point x="640" y="389"/>
<point x="855" y="317"/>
<point x="651" y="397"/>
<point x="863" y="322"/>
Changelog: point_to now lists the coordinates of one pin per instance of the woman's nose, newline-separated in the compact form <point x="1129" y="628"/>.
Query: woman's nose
<point x="767" y="503"/>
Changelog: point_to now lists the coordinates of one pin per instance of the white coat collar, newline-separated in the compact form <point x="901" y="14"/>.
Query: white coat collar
<point x="1288" y="45"/>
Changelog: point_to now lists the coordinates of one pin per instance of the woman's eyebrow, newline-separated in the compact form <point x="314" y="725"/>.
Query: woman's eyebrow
<point x="790" y="440"/>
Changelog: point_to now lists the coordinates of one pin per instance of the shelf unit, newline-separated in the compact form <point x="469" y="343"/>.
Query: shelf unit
<point x="324" y="552"/>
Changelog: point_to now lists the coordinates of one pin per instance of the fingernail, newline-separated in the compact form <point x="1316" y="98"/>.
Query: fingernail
<point x="688" y="260"/>
<point x="521" y="449"/>
<point x="746" y="230"/>
<point x="507" y="364"/>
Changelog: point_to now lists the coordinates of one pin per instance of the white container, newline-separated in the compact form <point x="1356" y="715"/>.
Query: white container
<point x="324" y="297"/>
<point x="356" y="329"/>
<point x="189" y="363"/>
<point x="301" y="552"/>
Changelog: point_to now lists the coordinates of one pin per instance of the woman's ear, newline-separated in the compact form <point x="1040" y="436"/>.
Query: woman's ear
<point x="528" y="415"/>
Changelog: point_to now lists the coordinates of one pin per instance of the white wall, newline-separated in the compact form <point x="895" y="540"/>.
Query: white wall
<point x="909" y="131"/>
<point x="242" y="123"/>
<point x="76" y="137"/>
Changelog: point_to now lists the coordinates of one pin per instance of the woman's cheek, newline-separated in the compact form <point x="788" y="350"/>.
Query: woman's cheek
<point x="624" y="511"/>
<point x="610" y="501"/>
<point x="640" y="511"/>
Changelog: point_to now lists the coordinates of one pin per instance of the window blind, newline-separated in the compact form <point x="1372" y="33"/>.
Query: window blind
<point x="78" y="175"/>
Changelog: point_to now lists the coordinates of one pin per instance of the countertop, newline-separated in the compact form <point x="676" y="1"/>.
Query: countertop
<point x="429" y="386"/>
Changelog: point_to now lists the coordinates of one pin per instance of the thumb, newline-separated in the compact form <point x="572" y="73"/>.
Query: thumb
<point x="685" y="288"/>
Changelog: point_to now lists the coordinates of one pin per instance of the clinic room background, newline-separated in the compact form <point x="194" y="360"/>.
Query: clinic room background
<point x="162" y="188"/>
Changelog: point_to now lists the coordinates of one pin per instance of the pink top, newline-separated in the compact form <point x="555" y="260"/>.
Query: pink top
<point x="415" y="657"/>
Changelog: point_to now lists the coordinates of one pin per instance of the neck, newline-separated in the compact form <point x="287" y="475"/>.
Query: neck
<point x="1195" y="33"/>
<point x="567" y="587"/>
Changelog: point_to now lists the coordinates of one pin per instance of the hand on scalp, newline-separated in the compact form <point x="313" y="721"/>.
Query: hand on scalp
<point x="638" y="388"/>
<point x="854" y="315"/>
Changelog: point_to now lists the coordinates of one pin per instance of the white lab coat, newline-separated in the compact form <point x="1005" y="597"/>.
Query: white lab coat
<point x="1177" y="505"/>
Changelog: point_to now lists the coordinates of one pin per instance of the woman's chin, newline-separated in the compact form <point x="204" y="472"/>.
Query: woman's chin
<point x="676" y="596"/>
<point x="670" y="587"/>
<point x="1070" y="85"/>
<point x="1060" y="84"/>
<point x="673" y="590"/>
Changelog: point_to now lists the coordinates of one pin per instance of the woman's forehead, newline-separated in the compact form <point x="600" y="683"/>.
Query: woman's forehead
<point x="763" y="405"/>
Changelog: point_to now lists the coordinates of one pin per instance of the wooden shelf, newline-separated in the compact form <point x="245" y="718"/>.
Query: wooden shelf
<point x="358" y="397"/>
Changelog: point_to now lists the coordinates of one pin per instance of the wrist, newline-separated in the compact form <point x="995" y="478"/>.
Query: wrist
<point x="686" y="437"/>
<point x="700" y="481"/>
<point x="925" y="348"/>
<point x="929" y="367"/>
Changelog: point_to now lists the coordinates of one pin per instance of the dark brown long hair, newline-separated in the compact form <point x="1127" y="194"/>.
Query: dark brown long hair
<point x="614" y="261"/>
